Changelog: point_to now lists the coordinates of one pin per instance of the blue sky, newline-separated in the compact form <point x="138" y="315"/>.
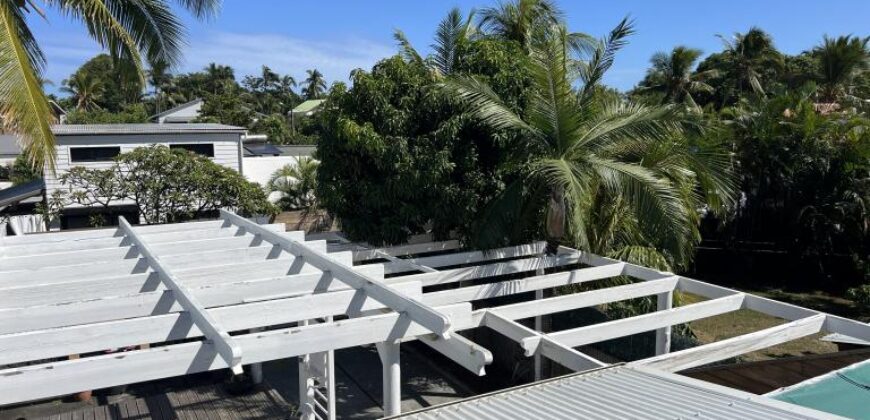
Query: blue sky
<point x="338" y="36"/>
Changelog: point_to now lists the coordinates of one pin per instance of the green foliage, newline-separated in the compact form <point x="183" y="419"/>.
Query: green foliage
<point x="841" y="60"/>
<point x="106" y="84"/>
<point x="861" y="296"/>
<point x="135" y="113"/>
<point x="226" y="108"/>
<point x="296" y="184"/>
<point x="399" y="157"/>
<point x="275" y="126"/>
<point x="22" y="170"/>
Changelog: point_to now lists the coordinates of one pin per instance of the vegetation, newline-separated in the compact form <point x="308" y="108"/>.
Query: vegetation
<point x="133" y="32"/>
<point x="296" y="184"/>
<point x="166" y="186"/>
<point x="22" y="171"/>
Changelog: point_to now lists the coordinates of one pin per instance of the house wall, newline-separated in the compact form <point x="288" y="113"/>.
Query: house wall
<point x="226" y="150"/>
<point x="191" y="112"/>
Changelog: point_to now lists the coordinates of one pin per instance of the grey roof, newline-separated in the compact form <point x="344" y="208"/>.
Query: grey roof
<point x="148" y="128"/>
<point x="17" y="193"/>
<point x="618" y="392"/>
<point x="298" y="149"/>
<point x="177" y="108"/>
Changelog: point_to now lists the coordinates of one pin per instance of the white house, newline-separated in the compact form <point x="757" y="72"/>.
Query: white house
<point x="184" y="113"/>
<point x="94" y="146"/>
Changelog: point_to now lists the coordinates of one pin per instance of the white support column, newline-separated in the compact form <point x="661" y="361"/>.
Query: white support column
<point x="392" y="377"/>
<point x="664" y="302"/>
<point x="256" y="368"/>
<point x="539" y="325"/>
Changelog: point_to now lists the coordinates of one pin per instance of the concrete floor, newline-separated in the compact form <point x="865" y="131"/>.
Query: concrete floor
<point x="358" y="382"/>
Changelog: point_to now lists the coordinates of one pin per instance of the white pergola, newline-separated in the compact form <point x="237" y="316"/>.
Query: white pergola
<point x="199" y="296"/>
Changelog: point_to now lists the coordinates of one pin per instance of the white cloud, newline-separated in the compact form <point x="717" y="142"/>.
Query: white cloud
<point x="246" y="53"/>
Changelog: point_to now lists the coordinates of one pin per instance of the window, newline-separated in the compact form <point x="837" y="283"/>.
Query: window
<point x="205" y="149"/>
<point x="93" y="154"/>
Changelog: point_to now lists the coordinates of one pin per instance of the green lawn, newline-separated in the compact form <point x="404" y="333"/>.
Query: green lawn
<point x="745" y="321"/>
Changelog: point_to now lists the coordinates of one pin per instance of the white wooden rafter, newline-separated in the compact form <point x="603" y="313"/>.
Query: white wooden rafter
<point x="225" y="345"/>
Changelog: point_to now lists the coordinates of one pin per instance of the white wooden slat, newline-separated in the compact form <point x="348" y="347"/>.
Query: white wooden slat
<point x="563" y="303"/>
<point x="160" y="302"/>
<point x="204" y="262"/>
<point x="637" y="324"/>
<point x="470" y="257"/>
<point x="50" y="237"/>
<point x="405" y="250"/>
<point x="511" y="287"/>
<point x="66" y="377"/>
<point x="409" y="265"/>
<point x="125" y="251"/>
<point x="417" y="311"/>
<point x="250" y="280"/>
<point x="563" y="355"/>
<point x="158" y="238"/>
<point x="732" y="347"/>
<point x="56" y="342"/>
<point x="225" y="346"/>
<point x="454" y="275"/>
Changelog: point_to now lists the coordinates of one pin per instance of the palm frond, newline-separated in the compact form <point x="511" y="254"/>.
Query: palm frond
<point x="202" y="9"/>
<point x="486" y="104"/>
<point x="407" y="50"/>
<point x="602" y="58"/>
<point x="24" y="108"/>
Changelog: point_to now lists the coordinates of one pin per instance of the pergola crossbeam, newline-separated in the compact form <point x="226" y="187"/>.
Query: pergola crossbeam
<point x="226" y="347"/>
<point x="420" y="313"/>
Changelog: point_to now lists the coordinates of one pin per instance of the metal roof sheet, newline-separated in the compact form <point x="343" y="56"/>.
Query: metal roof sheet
<point x="17" y="193"/>
<point x="617" y="392"/>
<point x="176" y="108"/>
<point x="309" y="105"/>
<point x="147" y="128"/>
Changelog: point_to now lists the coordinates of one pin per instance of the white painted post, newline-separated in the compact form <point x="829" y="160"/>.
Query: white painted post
<point x="256" y="368"/>
<point x="306" y="397"/>
<point x="539" y="325"/>
<point x="392" y="377"/>
<point x="664" y="302"/>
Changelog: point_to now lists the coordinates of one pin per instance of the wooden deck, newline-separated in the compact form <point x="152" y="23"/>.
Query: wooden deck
<point x="209" y="402"/>
<point x="765" y="376"/>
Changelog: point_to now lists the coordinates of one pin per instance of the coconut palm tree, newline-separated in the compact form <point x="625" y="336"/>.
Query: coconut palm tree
<point x="130" y="30"/>
<point x="612" y="176"/>
<point x="286" y="84"/>
<point x="85" y="90"/>
<point x="519" y="19"/>
<point x="841" y="59"/>
<point x="314" y="85"/>
<point x="750" y="54"/>
<point x="452" y="36"/>
<point x="217" y="77"/>
<point x="672" y="75"/>
<point x="161" y="80"/>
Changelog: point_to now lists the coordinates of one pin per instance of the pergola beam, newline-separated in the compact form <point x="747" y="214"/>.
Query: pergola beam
<point x="226" y="347"/>
<point x="420" y="313"/>
<point x="533" y="342"/>
<point x="732" y="347"/>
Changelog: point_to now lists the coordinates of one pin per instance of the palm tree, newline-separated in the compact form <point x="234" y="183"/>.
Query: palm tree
<point x="750" y="54"/>
<point x="296" y="184"/>
<point x="286" y="84"/>
<point x="314" y="85"/>
<point x="672" y="74"/>
<point x="841" y="59"/>
<point x="217" y="76"/>
<point x="601" y="171"/>
<point x="453" y="34"/>
<point x="130" y="30"/>
<point x="518" y="20"/>
<point x="161" y="80"/>
<point x="86" y="90"/>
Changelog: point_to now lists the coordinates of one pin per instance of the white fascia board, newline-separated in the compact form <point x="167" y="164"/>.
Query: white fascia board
<point x="418" y="312"/>
<point x="70" y="376"/>
<point x="461" y="350"/>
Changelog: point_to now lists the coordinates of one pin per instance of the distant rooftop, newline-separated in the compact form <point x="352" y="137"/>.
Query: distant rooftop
<point x="147" y="128"/>
<point x="176" y="109"/>
<point x="308" y="106"/>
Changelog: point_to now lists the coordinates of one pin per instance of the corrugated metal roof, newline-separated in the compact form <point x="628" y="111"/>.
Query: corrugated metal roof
<point x="148" y="128"/>
<point x="17" y="193"/>
<point x="307" y="106"/>
<point x="619" y="392"/>
<point x="177" y="108"/>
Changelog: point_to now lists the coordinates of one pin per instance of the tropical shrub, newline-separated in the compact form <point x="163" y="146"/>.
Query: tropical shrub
<point x="296" y="184"/>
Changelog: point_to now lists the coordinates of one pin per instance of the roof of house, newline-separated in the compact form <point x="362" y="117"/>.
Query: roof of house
<point x="147" y="128"/>
<point x="176" y="109"/>
<point x="266" y="149"/>
<point x="617" y="392"/>
<point x="17" y="193"/>
<point x="307" y="106"/>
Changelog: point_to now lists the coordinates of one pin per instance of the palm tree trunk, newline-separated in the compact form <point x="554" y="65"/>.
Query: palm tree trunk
<point x="555" y="220"/>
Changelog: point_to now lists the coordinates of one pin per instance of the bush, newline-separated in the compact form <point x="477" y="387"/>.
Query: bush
<point x="22" y="171"/>
<point x="296" y="184"/>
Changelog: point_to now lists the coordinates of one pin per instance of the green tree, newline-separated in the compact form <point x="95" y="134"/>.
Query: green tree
<point x="22" y="170"/>
<point x="86" y="90"/>
<point x="451" y="40"/>
<point x="275" y="127"/>
<point x="399" y="157"/>
<point x="226" y="108"/>
<point x="841" y="60"/>
<point x="314" y="85"/>
<point x="592" y="169"/>
<point x="747" y="57"/>
<point x="673" y="77"/>
<point x="130" y="114"/>
<point x="128" y="29"/>
<point x="296" y="184"/>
